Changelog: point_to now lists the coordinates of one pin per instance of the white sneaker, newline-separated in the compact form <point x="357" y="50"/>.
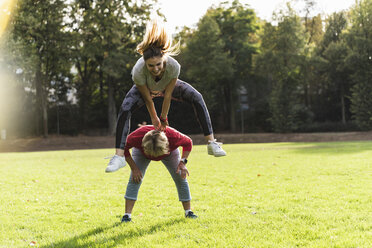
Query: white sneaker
<point x="116" y="162"/>
<point x="214" y="148"/>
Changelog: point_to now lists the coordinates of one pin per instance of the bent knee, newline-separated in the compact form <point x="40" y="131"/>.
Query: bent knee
<point x="197" y="97"/>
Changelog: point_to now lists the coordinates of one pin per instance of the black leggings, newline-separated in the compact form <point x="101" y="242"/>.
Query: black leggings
<point x="182" y="92"/>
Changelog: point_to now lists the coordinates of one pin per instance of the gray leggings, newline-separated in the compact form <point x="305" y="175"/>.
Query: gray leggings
<point x="182" y="92"/>
<point x="171" y="162"/>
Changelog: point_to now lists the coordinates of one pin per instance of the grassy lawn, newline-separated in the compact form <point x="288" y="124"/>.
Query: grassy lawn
<point x="260" y="195"/>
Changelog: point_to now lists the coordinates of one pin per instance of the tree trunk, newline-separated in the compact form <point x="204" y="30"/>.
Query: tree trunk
<point x="101" y="83"/>
<point x="232" y="110"/>
<point x="41" y="103"/>
<point x="343" y="105"/>
<point x="44" y="106"/>
<point x="82" y="104"/>
<point x="111" y="113"/>
<point x="83" y="96"/>
<point x="38" y="114"/>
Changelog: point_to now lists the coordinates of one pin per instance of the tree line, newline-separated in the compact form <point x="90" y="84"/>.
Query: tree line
<point x="70" y="64"/>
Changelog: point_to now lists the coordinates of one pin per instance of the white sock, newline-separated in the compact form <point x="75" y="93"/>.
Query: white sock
<point x="187" y="211"/>
<point x="129" y="215"/>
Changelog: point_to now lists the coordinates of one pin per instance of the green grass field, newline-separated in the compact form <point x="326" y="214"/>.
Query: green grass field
<point x="260" y="195"/>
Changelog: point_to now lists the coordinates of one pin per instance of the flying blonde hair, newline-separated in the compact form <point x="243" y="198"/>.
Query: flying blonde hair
<point x="155" y="143"/>
<point x="157" y="42"/>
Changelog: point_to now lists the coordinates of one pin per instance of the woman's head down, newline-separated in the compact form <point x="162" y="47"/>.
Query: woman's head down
<point x="155" y="143"/>
<point x="156" y="42"/>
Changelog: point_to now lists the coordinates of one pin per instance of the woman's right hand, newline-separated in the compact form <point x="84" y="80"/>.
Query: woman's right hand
<point x="156" y="123"/>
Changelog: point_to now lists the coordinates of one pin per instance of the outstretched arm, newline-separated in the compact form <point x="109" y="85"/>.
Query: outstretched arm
<point x="145" y="92"/>
<point x="166" y="103"/>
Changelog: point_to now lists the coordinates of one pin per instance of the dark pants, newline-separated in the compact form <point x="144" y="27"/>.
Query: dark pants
<point x="182" y="92"/>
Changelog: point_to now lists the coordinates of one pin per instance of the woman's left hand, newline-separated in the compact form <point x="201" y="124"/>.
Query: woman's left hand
<point x="163" y="125"/>
<point x="182" y="170"/>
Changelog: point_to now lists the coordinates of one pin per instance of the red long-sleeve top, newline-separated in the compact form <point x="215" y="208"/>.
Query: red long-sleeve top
<point x="175" y="139"/>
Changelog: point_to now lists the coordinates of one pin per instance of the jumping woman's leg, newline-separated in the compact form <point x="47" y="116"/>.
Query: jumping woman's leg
<point x="185" y="92"/>
<point x="131" y="102"/>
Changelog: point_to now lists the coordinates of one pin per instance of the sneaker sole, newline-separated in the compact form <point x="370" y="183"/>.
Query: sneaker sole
<point x="109" y="170"/>
<point x="210" y="152"/>
<point x="216" y="155"/>
<point x="219" y="155"/>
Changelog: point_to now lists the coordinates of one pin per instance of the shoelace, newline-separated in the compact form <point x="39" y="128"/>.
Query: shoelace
<point x="110" y="157"/>
<point x="217" y="143"/>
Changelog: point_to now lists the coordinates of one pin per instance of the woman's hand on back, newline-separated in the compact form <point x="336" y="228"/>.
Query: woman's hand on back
<point x="163" y="125"/>
<point x="156" y="123"/>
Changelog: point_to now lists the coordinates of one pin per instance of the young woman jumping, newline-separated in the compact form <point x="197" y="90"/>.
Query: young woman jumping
<point x="156" y="75"/>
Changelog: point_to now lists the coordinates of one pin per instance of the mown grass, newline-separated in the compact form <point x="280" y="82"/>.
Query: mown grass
<point x="260" y="195"/>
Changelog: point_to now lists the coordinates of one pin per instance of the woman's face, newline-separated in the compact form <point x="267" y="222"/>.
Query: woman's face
<point x="155" y="65"/>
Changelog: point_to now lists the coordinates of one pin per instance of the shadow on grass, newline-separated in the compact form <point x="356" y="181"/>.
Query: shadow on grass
<point x="79" y="241"/>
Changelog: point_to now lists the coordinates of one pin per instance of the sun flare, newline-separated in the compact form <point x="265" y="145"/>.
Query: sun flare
<point x="6" y="7"/>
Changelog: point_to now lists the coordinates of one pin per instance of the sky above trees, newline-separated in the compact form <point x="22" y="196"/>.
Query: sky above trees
<point x="187" y="13"/>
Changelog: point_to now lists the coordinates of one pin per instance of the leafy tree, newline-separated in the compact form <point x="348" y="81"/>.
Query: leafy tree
<point x="206" y="61"/>
<point x="313" y="25"/>
<point x="238" y="26"/>
<point x="13" y="97"/>
<point x="314" y="33"/>
<point x="280" y="63"/>
<point x="217" y="57"/>
<point x="334" y="51"/>
<point x="39" y="27"/>
<point x="359" y="39"/>
<point x="104" y="53"/>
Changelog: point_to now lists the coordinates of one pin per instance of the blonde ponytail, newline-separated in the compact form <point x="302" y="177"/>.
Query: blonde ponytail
<point x="158" y="41"/>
